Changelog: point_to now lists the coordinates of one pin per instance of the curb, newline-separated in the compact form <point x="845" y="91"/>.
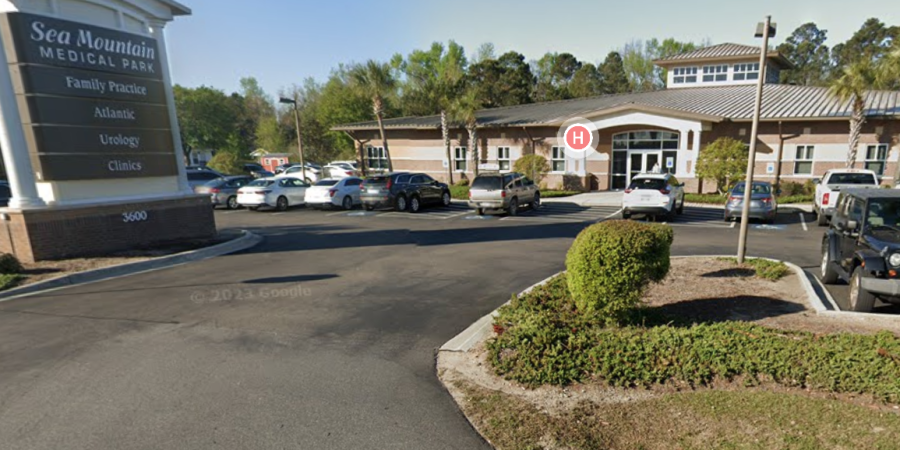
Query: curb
<point x="247" y="240"/>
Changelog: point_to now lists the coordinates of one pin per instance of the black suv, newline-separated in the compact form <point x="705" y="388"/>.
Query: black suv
<point x="862" y="246"/>
<point x="403" y="191"/>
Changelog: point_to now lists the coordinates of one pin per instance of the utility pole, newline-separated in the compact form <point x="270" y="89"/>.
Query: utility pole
<point x="299" y="141"/>
<point x="764" y="30"/>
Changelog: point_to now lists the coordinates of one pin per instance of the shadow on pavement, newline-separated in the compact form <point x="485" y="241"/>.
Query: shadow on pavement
<point x="290" y="279"/>
<point x="739" y="308"/>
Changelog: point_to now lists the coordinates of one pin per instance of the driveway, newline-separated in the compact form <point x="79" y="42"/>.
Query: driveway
<point x="323" y="337"/>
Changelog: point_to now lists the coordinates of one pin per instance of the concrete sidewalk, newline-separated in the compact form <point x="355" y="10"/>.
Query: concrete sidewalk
<point x="605" y="198"/>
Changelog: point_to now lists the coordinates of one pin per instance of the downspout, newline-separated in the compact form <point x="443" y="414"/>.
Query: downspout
<point x="779" y="157"/>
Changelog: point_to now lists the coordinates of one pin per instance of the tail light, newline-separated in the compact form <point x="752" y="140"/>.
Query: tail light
<point x="825" y="198"/>
<point x="267" y="191"/>
<point x="390" y="183"/>
<point x="734" y="199"/>
<point x="767" y="200"/>
<point x="331" y="192"/>
<point x="627" y="191"/>
<point x="502" y="194"/>
<point x="362" y="185"/>
<point x="470" y="195"/>
<point x="215" y="190"/>
<point x="664" y="191"/>
<point x="349" y="174"/>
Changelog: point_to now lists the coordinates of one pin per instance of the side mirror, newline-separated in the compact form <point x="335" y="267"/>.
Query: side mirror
<point x="817" y="181"/>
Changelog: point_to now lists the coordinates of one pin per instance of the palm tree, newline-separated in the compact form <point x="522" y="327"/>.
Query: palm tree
<point x="888" y="69"/>
<point x="857" y="78"/>
<point x="463" y="110"/>
<point x="376" y="81"/>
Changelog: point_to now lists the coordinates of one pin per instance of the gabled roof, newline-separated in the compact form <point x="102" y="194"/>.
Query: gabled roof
<point x="727" y="51"/>
<point x="713" y="104"/>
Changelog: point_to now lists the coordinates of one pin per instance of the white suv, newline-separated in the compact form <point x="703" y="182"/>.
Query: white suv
<point x="653" y="194"/>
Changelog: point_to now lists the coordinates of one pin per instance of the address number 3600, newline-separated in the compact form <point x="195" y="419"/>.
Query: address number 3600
<point x="134" y="216"/>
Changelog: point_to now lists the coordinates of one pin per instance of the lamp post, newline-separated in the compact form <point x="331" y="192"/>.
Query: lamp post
<point x="764" y="30"/>
<point x="299" y="142"/>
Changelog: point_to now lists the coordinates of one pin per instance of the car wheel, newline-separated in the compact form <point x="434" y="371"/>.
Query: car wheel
<point x="726" y="218"/>
<point x="513" y="208"/>
<point x="680" y="209"/>
<point x="829" y="275"/>
<point x="446" y="198"/>
<point x="414" y="204"/>
<point x="231" y="203"/>
<point x="400" y="203"/>
<point x="536" y="203"/>
<point x="626" y="215"/>
<point x="254" y="208"/>
<point x="368" y="207"/>
<point x="479" y="212"/>
<point x="861" y="300"/>
<point x="821" y="219"/>
<point x="347" y="203"/>
<point x="282" y="203"/>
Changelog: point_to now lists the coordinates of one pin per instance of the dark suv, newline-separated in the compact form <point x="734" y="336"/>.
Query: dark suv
<point x="862" y="246"/>
<point x="402" y="191"/>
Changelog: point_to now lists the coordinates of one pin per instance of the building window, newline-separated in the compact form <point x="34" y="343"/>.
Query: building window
<point x="646" y="140"/>
<point x="503" y="157"/>
<point x="460" y="163"/>
<point x="685" y="75"/>
<point x="746" y="72"/>
<point x="876" y="155"/>
<point x="558" y="159"/>
<point x="715" y="73"/>
<point x="803" y="160"/>
<point x="376" y="159"/>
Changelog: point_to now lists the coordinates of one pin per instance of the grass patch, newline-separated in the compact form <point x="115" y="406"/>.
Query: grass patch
<point x="10" y="280"/>
<point x="543" y="339"/>
<point x="462" y="193"/>
<point x="694" y="420"/>
<point x="553" y="193"/>
<point x="766" y="269"/>
<point x="793" y="199"/>
<point x="716" y="199"/>
<point x="459" y="192"/>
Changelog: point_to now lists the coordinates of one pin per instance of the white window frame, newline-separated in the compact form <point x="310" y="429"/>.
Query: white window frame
<point x="460" y="160"/>
<point x="378" y="155"/>
<point x="503" y="157"/>
<point x="746" y="72"/>
<point x="805" y="154"/>
<point x="684" y="75"/>
<point x="881" y="153"/>
<point x="717" y="73"/>
<point x="557" y="155"/>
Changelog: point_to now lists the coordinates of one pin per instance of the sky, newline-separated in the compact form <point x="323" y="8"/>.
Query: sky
<point x="283" y="42"/>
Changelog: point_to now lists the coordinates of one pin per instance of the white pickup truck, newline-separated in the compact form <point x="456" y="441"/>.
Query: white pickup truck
<point x="828" y="189"/>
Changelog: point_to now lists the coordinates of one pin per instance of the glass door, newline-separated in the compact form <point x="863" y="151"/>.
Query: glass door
<point x="643" y="162"/>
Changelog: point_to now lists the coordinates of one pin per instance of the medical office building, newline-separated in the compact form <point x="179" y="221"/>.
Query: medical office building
<point x="710" y="94"/>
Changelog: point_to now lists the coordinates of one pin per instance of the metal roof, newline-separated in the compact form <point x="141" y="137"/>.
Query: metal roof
<point x="715" y="104"/>
<point x="727" y="51"/>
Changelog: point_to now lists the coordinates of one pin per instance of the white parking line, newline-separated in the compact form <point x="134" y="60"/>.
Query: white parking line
<point x="460" y="214"/>
<point x="803" y="222"/>
<point x="734" y="224"/>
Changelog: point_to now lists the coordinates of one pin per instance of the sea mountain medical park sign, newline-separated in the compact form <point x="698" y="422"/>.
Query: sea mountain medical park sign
<point x="92" y="99"/>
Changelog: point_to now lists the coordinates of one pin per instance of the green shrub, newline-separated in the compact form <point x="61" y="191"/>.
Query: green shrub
<point x="9" y="264"/>
<point x="462" y="183"/>
<point x="553" y="193"/>
<point x="794" y="199"/>
<point x="459" y="192"/>
<point x="765" y="268"/>
<point x="723" y="161"/>
<point x="228" y="163"/>
<point x="532" y="166"/>
<point x="708" y="199"/>
<point x="611" y="263"/>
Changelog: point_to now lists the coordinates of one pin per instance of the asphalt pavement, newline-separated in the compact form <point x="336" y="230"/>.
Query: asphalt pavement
<point x="322" y="337"/>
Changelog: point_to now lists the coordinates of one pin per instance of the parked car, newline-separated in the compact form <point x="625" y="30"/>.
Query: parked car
<point x="653" y="194"/>
<point x="862" y="246"/>
<point x="250" y="168"/>
<point x="280" y="193"/>
<point x="312" y="173"/>
<point x="200" y="177"/>
<point x="333" y="192"/>
<point x="402" y="190"/>
<point x="223" y="191"/>
<point x="261" y="174"/>
<point x="828" y="189"/>
<point x="339" y="170"/>
<point x="197" y="167"/>
<point x="5" y="193"/>
<point x="505" y="192"/>
<point x="763" y="205"/>
<point x="283" y="167"/>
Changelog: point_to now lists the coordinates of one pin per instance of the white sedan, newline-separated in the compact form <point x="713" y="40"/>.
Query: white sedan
<point x="312" y="174"/>
<point x="280" y="192"/>
<point x="332" y="192"/>
<point x="339" y="170"/>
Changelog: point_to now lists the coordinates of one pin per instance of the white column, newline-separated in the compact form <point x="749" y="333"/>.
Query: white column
<point x="19" y="171"/>
<point x="698" y="134"/>
<point x="683" y="153"/>
<point x="158" y="32"/>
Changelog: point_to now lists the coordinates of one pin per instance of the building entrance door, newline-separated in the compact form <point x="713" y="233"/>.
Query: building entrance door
<point x="643" y="162"/>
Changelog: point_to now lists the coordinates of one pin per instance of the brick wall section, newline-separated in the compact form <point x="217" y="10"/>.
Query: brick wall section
<point x="57" y="233"/>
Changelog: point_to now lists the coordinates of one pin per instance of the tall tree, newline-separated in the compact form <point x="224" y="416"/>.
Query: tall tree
<point x="806" y="48"/>
<point x="638" y="58"/>
<point x="376" y="81"/>
<point x="207" y="119"/>
<point x="464" y="111"/>
<point x="586" y="82"/>
<point x="612" y="75"/>
<point x="506" y="81"/>
<point x="851" y="86"/>
<point x="872" y="41"/>
<point x="271" y="136"/>
<point x="554" y="73"/>
<point x="889" y="69"/>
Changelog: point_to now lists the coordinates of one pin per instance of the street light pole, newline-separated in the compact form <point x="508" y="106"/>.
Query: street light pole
<point x="767" y="31"/>
<point x="299" y="141"/>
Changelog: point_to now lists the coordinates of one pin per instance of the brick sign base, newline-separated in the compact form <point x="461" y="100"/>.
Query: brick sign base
<point x="70" y="232"/>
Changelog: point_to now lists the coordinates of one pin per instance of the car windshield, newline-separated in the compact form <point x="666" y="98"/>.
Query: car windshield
<point x="487" y="183"/>
<point x="884" y="212"/>
<point x="851" y="178"/>
<point x="261" y="183"/>
<point x="648" y="183"/>
<point x="376" y="180"/>
<point x="326" y="183"/>
<point x="757" y="189"/>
